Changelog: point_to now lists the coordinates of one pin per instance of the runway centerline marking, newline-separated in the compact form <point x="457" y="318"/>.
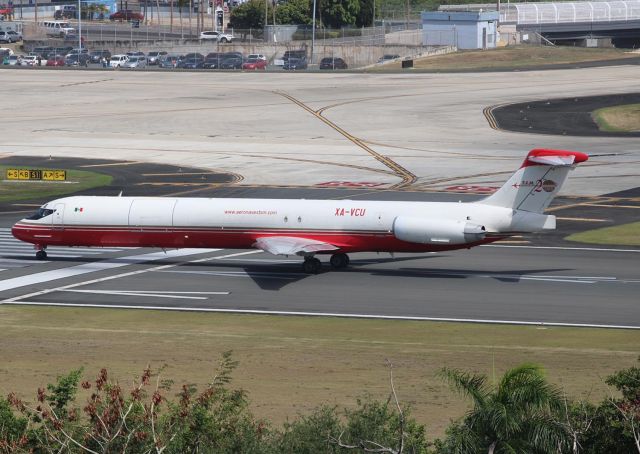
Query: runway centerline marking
<point x="331" y="314"/>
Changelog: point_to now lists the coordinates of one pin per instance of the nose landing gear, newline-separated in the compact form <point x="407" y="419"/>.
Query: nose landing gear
<point x="41" y="254"/>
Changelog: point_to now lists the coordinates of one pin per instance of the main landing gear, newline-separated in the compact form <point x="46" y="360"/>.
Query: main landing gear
<point x="41" y="254"/>
<point x="312" y="265"/>
<point x="339" y="261"/>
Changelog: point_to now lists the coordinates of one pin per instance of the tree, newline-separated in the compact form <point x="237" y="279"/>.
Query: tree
<point x="296" y="12"/>
<point x="248" y="15"/>
<point x="339" y="13"/>
<point x="520" y="414"/>
<point x="365" y="15"/>
<point x="616" y="422"/>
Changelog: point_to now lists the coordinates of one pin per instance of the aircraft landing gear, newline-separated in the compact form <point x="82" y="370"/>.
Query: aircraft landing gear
<point x="311" y="265"/>
<point x="41" y="254"/>
<point x="339" y="261"/>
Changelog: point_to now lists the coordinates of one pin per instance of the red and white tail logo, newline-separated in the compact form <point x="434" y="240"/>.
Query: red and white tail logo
<point x="537" y="181"/>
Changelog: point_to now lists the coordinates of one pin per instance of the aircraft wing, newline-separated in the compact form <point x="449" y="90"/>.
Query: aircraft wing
<point x="287" y="245"/>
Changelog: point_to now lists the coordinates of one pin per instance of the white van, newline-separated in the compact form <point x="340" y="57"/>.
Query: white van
<point x="118" y="61"/>
<point x="58" y="28"/>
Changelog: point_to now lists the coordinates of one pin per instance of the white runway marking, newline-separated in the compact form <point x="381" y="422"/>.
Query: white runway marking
<point x="597" y="249"/>
<point x="175" y="295"/>
<point x="239" y="274"/>
<point x="46" y="276"/>
<point x="333" y="314"/>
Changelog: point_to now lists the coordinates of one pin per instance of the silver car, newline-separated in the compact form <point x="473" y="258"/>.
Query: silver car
<point x="135" y="63"/>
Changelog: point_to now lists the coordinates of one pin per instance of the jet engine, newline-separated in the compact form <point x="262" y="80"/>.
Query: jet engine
<point x="436" y="231"/>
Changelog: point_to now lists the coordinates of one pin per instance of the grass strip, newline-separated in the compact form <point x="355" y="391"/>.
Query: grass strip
<point x="621" y="235"/>
<point x="290" y="365"/>
<point x="77" y="180"/>
<point x="625" y="118"/>
<point x="511" y="57"/>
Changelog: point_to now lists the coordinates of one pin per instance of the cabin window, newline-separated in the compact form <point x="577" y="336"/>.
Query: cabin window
<point x="41" y="213"/>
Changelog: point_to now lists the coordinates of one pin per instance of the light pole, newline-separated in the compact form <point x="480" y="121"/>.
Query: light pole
<point x="313" y="31"/>
<point x="79" y="30"/>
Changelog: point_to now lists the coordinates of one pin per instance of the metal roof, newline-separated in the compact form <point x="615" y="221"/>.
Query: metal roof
<point x="569" y="12"/>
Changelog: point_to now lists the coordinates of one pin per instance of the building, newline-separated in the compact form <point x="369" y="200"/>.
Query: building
<point x="465" y="30"/>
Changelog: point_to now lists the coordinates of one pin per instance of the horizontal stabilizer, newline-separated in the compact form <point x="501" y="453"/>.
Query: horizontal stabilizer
<point x="533" y="186"/>
<point x="553" y="160"/>
<point x="287" y="245"/>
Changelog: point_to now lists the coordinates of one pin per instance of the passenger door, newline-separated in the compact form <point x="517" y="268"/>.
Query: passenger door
<point x="57" y="218"/>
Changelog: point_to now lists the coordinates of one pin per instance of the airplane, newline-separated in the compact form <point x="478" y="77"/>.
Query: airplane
<point x="306" y="227"/>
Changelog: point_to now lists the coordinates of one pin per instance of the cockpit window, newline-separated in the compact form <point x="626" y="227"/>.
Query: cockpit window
<point x="42" y="212"/>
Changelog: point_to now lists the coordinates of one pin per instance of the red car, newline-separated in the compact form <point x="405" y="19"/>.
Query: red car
<point x="126" y="14"/>
<point x="58" y="60"/>
<point x="254" y="64"/>
<point x="6" y="10"/>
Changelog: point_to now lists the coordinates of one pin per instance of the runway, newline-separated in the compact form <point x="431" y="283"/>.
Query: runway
<point x="494" y="284"/>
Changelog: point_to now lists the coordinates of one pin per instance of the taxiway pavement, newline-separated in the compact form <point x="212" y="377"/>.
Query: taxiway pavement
<point x="424" y="131"/>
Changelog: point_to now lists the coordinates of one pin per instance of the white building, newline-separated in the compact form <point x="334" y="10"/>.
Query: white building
<point x="465" y="30"/>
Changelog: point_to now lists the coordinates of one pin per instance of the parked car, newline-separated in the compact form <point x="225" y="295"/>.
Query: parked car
<point x="118" y="60"/>
<point x="217" y="36"/>
<point x="213" y="61"/>
<point x="254" y="64"/>
<point x="153" y="58"/>
<point x="191" y="63"/>
<point x="97" y="55"/>
<point x="126" y="14"/>
<point x="136" y="53"/>
<point x="6" y="37"/>
<point x="293" y="64"/>
<point x="257" y="56"/>
<point x="56" y="60"/>
<point x="300" y="54"/>
<point x="333" y="63"/>
<point x="388" y="57"/>
<point x="29" y="60"/>
<point x="135" y="63"/>
<point x="61" y="50"/>
<point x="192" y="55"/>
<point x="76" y="60"/>
<point x="169" y="61"/>
<point x="42" y="51"/>
<point x="13" y="60"/>
<point x="17" y="36"/>
<point x="66" y="12"/>
<point x="234" y="62"/>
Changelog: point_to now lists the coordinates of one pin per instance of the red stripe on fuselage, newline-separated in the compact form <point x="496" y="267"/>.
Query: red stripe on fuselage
<point x="347" y="241"/>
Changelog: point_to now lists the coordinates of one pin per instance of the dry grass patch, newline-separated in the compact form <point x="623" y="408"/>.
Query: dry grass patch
<point x="292" y="364"/>
<point x="621" y="235"/>
<point x="512" y="57"/>
<point x="618" y="118"/>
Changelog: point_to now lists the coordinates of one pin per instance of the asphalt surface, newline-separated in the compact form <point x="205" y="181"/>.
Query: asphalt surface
<point x="563" y="116"/>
